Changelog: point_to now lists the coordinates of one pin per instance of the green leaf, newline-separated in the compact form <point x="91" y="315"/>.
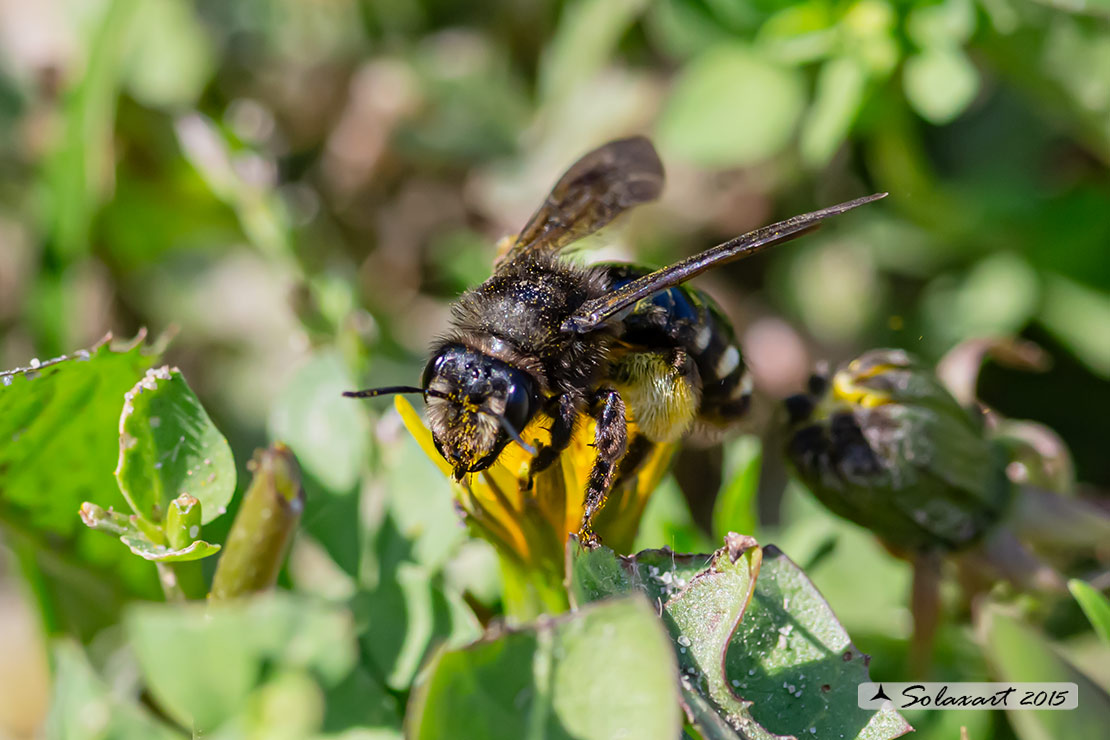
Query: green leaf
<point x="734" y="509"/>
<point x="703" y="616"/>
<point x="147" y="550"/>
<point x="146" y="542"/>
<point x="940" y="83"/>
<point x="946" y="23"/>
<point x="326" y="431"/>
<point x="68" y="410"/>
<point x="1018" y="653"/>
<point x="331" y="438"/>
<point x="797" y="666"/>
<point x="789" y="665"/>
<point x="419" y="503"/>
<point x="799" y="33"/>
<point x="701" y="607"/>
<point x="78" y="172"/>
<point x="840" y="87"/>
<point x="731" y="107"/>
<point x="605" y="671"/>
<point x="84" y="707"/>
<point x="201" y="662"/>
<point x="404" y="618"/>
<point x="996" y="297"/>
<point x="361" y="700"/>
<point x="168" y="447"/>
<point x="288" y="706"/>
<point x="1095" y="605"/>
<point x="65" y="409"/>
<point x="1079" y="317"/>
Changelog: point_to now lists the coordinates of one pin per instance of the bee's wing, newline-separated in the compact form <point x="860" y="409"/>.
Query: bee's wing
<point x="596" y="189"/>
<point x="592" y="314"/>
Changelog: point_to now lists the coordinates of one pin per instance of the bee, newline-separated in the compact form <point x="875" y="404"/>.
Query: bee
<point x="545" y="335"/>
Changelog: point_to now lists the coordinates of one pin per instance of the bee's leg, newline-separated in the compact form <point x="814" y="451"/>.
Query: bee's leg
<point x="564" y="412"/>
<point x="639" y="447"/>
<point x="611" y="440"/>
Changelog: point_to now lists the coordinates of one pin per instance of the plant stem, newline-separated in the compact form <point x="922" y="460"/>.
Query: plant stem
<point x="269" y="514"/>
<point x="528" y="593"/>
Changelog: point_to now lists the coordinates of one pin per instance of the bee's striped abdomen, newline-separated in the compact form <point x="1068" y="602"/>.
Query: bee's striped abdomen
<point x="687" y="318"/>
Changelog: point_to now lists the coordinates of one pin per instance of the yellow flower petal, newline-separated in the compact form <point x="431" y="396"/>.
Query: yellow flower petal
<point x="532" y="525"/>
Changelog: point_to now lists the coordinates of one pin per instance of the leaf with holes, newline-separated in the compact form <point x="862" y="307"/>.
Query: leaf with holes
<point x="795" y="664"/>
<point x="761" y="654"/>
<point x="57" y="437"/>
<point x="168" y="446"/>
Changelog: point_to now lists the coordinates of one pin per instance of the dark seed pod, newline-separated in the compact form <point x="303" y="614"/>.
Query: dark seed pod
<point x="886" y="446"/>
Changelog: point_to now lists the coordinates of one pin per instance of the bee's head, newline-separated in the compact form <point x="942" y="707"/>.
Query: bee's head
<point x="475" y="405"/>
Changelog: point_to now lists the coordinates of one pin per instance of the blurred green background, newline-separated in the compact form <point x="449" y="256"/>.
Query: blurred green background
<point x="297" y="189"/>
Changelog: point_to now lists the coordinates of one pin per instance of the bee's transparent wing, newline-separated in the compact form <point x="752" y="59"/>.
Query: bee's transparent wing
<point x="596" y="189"/>
<point x="593" y="314"/>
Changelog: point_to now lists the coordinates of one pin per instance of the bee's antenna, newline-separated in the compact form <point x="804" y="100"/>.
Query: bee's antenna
<point x="515" y="436"/>
<point x="388" y="390"/>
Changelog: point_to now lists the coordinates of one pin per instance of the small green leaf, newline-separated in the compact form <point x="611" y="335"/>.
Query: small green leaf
<point x="326" y="431"/>
<point x="77" y="174"/>
<point x="147" y="550"/>
<point x="201" y="662"/>
<point x="1018" y="653"/>
<point x="183" y="521"/>
<point x="950" y="22"/>
<point x="799" y="33"/>
<point x="734" y="510"/>
<point x="84" y="707"/>
<point x="1079" y="316"/>
<point x="112" y="522"/>
<point x="840" y="87"/>
<point x="940" y="83"/>
<point x="731" y="108"/>
<point x="605" y="671"/>
<point x="138" y="539"/>
<point x="168" y="447"/>
<point x="1095" y="605"/>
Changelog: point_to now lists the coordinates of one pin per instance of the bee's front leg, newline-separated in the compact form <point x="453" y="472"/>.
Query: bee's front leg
<point x="611" y="441"/>
<point x="564" y="412"/>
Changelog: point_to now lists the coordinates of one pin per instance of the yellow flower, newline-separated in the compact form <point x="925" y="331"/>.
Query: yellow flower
<point x="530" y="527"/>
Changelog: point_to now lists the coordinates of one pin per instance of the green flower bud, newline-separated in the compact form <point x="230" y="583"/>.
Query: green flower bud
<point x="886" y="446"/>
<point x="183" y="522"/>
<point x="268" y="515"/>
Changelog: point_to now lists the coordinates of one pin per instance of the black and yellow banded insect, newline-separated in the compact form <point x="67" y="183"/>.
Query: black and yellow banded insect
<point x="546" y="336"/>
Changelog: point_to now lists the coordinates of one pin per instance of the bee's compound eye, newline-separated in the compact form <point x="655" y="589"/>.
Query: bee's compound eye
<point x="432" y="369"/>
<point x="518" y="404"/>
